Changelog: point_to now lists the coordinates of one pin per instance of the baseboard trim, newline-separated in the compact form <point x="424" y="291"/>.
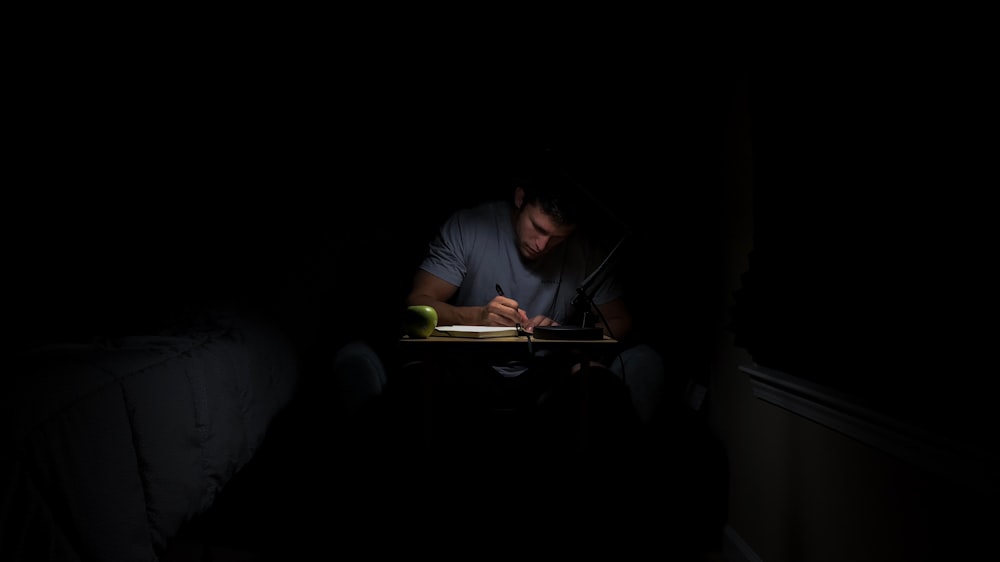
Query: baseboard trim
<point x="838" y="412"/>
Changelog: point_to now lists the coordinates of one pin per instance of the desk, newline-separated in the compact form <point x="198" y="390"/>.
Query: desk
<point x="500" y="349"/>
<point x="438" y="350"/>
<point x="509" y="344"/>
<point x="506" y="339"/>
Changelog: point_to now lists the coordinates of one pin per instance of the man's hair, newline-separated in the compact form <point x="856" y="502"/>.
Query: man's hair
<point x="555" y="191"/>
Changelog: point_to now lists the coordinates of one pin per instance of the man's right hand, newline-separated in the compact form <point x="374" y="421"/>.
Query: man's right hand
<point x="504" y="311"/>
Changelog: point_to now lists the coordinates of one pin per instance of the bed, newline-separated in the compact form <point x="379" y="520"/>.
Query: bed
<point x="115" y="444"/>
<point x="150" y="351"/>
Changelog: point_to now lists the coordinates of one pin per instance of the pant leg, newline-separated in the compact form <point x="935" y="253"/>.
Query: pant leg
<point x="359" y="376"/>
<point x="641" y="368"/>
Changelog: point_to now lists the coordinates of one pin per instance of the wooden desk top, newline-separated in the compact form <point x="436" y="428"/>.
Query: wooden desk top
<point x="507" y="339"/>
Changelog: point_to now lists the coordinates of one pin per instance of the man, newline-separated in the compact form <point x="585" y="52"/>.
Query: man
<point x="510" y="435"/>
<point x="566" y="444"/>
<point x="528" y="249"/>
<point x="519" y="263"/>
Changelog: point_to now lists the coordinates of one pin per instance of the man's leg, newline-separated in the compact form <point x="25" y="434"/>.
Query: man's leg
<point x="360" y="377"/>
<point x="641" y="367"/>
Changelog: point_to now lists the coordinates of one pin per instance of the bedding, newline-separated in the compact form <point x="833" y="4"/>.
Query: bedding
<point x="112" y="445"/>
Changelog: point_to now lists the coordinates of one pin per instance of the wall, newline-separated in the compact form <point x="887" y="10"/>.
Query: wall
<point x="802" y="491"/>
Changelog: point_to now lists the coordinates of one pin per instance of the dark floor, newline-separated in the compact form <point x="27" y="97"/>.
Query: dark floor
<point x="313" y="488"/>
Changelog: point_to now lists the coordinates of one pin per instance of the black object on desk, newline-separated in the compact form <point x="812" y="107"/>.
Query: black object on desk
<point x="568" y="333"/>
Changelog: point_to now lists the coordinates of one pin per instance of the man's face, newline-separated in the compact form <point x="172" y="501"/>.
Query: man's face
<point x="537" y="233"/>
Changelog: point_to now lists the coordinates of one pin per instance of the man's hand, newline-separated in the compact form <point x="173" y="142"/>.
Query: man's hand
<point x="503" y="311"/>
<point x="538" y="321"/>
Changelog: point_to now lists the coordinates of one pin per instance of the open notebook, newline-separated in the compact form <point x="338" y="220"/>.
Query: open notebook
<point x="475" y="331"/>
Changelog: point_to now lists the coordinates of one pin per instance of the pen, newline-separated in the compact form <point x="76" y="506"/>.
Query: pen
<point x="500" y="292"/>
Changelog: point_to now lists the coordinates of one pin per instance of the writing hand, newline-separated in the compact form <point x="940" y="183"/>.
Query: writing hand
<point x="503" y="311"/>
<point x="520" y="317"/>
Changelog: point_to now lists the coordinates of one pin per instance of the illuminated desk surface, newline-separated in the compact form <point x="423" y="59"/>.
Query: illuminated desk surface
<point x="523" y="340"/>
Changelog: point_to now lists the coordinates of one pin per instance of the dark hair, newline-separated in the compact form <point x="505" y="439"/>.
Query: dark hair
<point x="555" y="191"/>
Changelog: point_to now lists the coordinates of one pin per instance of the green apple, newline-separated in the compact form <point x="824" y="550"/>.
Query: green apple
<point x="419" y="321"/>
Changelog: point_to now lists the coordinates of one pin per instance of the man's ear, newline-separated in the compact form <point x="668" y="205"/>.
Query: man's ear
<point x="518" y="197"/>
